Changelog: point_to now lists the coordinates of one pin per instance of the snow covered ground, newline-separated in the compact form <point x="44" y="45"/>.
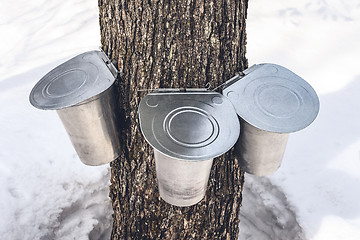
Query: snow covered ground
<point x="320" y="174"/>
<point x="47" y="193"/>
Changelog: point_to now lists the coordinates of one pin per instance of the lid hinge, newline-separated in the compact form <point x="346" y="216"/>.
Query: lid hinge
<point x="168" y="90"/>
<point x="238" y="76"/>
<point x="109" y="63"/>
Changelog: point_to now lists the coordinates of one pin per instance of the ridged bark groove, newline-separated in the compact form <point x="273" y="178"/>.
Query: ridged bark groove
<point x="171" y="44"/>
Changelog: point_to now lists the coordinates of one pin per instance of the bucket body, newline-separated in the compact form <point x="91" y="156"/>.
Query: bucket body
<point x="181" y="182"/>
<point x="91" y="126"/>
<point x="260" y="152"/>
<point x="271" y="102"/>
<point x="187" y="130"/>
<point x="81" y="90"/>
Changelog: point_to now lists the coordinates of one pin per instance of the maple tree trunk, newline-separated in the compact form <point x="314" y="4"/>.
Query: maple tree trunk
<point x="171" y="44"/>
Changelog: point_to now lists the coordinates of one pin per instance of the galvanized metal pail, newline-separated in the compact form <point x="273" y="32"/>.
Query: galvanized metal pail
<point x="81" y="90"/>
<point x="187" y="130"/>
<point x="271" y="102"/>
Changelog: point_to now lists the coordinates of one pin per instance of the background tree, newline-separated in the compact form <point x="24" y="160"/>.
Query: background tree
<point x="171" y="44"/>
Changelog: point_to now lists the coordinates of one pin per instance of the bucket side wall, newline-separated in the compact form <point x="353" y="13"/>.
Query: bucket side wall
<point x="181" y="183"/>
<point x="260" y="152"/>
<point x="92" y="129"/>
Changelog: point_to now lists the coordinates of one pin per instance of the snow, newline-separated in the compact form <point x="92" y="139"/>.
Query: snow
<point x="320" y="174"/>
<point x="47" y="193"/>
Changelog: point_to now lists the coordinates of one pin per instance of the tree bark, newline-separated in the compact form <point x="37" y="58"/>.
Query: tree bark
<point x="171" y="44"/>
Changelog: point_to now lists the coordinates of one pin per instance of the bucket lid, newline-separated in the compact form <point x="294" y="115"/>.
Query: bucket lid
<point x="189" y="125"/>
<point x="74" y="81"/>
<point x="272" y="98"/>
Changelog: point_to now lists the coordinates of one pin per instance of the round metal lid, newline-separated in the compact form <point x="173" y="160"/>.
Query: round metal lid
<point x="74" y="81"/>
<point x="272" y="98"/>
<point x="189" y="125"/>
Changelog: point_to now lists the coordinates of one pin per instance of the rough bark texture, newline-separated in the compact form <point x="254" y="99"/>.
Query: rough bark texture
<point x="171" y="44"/>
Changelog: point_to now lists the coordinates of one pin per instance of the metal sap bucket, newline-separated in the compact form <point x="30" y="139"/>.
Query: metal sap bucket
<point x="81" y="91"/>
<point x="187" y="130"/>
<point x="271" y="102"/>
